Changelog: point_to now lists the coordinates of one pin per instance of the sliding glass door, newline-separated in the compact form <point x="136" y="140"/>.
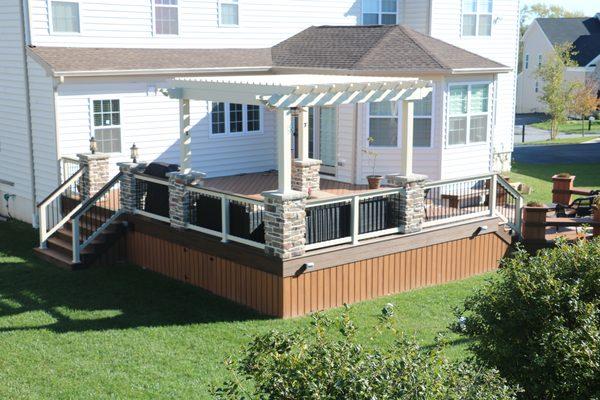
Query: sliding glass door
<point x="323" y="137"/>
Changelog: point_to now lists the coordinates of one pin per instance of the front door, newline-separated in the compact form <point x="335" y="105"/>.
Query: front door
<point x="323" y="137"/>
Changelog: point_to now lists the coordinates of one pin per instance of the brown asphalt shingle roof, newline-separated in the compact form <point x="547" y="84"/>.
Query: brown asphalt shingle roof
<point x="349" y="48"/>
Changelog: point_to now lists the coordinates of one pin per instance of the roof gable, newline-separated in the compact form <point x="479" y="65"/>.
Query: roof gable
<point x="583" y="33"/>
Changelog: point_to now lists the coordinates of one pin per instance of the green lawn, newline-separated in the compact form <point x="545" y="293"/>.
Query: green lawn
<point x="571" y="127"/>
<point x="539" y="177"/>
<point x="123" y="332"/>
<point x="569" y="140"/>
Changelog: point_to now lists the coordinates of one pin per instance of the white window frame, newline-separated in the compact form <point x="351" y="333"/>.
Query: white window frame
<point x="526" y="61"/>
<point x="228" y="133"/>
<point x="51" y="20"/>
<point x="477" y="14"/>
<point x="120" y="126"/>
<point x="469" y="114"/>
<point x="153" y="7"/>
<point x="431" y="117"/>
<point x="537" y="87"/>
<point x="398" y="130"/>
<point x="220" y="12"/>
<point x="540" y="60"/>
<point x="380" y="13"/>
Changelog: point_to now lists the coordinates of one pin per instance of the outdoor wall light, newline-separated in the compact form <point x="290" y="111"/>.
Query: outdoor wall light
<point x="134" y="153"/>
<point x="93" y="145"/>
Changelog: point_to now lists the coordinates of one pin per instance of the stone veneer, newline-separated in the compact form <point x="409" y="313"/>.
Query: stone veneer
<point x="305" y="175"/>
<point x="127" y="190"/>
<point x="285" y="224"/>
<point x="179" y="196"/>
<point x="411" y="207"/>
<point x="96" y="174"/>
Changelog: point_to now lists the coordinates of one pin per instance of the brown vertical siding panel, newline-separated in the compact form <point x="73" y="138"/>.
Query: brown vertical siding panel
<point x="320" y="289"/>
<point x="314" y="292"/>
<point x="301" y="295"/>
<point x="327" y="288"/>
<point x="293" y="296"/>
<point x="368" y="265"/>
<point x="351" y="293"/>
<point x="339" y="287"/>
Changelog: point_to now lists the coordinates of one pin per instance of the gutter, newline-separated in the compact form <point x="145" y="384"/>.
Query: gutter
<point x="169" y="71"/>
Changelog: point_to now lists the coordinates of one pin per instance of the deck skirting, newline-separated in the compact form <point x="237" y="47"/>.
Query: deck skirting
<point x="279" y="289"/>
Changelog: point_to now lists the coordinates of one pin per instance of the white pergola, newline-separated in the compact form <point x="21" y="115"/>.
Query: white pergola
<point x="287" y="94"/>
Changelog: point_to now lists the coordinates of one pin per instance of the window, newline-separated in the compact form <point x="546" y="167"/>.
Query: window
<point x="537" y="86"/>
<point x="477" y="17"/>
<point x="229" y="12"/>
<point x="65" y="17"/>
<point x="422" y="122"/>
<point x="107" y="125"/>
<point x="540" y="58"/>
<point x="468" y="109"/>
<point x="232" y="118"/>
<point x="526" y="61"/>
<point x="379" y="12"/>
<point x="166" y="17"/>
<point x="383" y="124"/>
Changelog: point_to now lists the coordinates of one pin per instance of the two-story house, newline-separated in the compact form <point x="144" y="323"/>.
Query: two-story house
<point x="539" y="42"/>
<point x="76" y="69"/>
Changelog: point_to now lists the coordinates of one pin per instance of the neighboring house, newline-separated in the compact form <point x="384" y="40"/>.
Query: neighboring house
<point x="73" y="69"/>
<point x="538" y="43"/>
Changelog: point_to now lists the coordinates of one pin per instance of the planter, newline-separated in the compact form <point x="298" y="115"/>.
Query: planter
<point x="596" y="215"/>
<point x="561" y="189"/>
<point x="534" y="219"/>
<point x="374" y="181"/>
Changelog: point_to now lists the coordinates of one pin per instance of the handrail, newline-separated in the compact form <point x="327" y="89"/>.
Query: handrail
<point x="458" y="180"/>
<point x="62" y="187"/>
<point x="504" y="183"/>
<point x="224" y="194"/>
<point x="90" y="202"/>
<point x="348" y="198"/>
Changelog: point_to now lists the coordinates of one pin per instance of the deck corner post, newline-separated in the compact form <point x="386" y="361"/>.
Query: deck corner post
<point x="410" y="208"/>
<point x="285" y="224"/>
<point x="127" y="190"/>
<point x="95" y="174"/>
<point x="534" y="224"/>
<point x="179" y="196"/>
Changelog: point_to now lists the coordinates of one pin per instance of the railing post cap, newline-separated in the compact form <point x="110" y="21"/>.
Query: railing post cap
<point x="401" y="180"/>
<point x="131" y="167"/>
<point x="285" y="196"/>
<point x="96" y="156"/>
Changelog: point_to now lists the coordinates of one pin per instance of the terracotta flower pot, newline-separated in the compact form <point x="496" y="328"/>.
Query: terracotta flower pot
<point x="374" y="181"/>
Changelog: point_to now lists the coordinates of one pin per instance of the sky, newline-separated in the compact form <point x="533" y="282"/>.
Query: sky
<point x="589" y="7"/>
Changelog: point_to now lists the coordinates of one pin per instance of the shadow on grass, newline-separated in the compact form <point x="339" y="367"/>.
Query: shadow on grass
<point x="117" y="297"/>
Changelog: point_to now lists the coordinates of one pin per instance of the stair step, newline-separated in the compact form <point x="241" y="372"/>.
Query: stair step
<point x="56" y="258"/>
<point x="66" y="247"/>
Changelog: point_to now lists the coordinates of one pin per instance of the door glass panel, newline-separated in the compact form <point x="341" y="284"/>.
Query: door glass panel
<point x="327" y="139"/>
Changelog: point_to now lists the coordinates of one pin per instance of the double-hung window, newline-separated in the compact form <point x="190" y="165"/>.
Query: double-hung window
<point x="477" y="17"/>
<point x="107" y="125"/>
<point x="65" y="16"/>
<point x="383" y="124"/>
<point x="469" y="114"/>
<point x="422" y="122"/>
<point x="379" y="12"/>
<point x="229" y="12"/>
<point x="540" y="58"/>
<point x="166" y="17"/>
<point x="233" y="118"/>
<point x="526" y="61"/>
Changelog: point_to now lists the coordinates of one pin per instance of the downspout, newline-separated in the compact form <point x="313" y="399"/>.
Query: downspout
<point x="55" y="83"/>
<point x="25" y="35"/>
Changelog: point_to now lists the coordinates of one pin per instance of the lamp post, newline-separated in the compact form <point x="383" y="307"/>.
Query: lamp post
<point x="93" y="145"/>
<point x="134" y="153"/>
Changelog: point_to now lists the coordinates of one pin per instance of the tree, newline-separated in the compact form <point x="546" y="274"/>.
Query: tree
<point x="327" y="362"/>
<point x="556" y="91"/>
<point x="538" y="322"/>
<point x="585" y="101"/>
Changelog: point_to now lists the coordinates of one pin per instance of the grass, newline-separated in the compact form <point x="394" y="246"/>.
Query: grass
<point x="569" y="140"/>
<point x="122" y="332"/>
<point x="570" y="127"/>
<point x="538" y="176"/>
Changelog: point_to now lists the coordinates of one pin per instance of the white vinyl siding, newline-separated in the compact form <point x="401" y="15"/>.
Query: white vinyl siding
<point x="477" y="17"/>
<point x="526" y="61"/>
<point x="65" y="17"/>
<point x="235" y="119"/>
<point x="166" y="17"/>
<point x="379" y="12"/>
<point x="229" y="12"/>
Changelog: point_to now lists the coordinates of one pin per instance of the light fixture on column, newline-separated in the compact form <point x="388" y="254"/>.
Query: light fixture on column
<point x="93" y="145"/>
<point x="134" y="153"/>
<point x="296" y="111"/>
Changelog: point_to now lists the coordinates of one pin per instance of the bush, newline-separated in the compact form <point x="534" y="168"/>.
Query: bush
<point x="539" y="322"/>
<point x="326" y="362"/>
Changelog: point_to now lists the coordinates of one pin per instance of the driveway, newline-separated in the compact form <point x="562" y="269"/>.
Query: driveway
<point x="559" y="154"/>
<point x="528" y="119"/>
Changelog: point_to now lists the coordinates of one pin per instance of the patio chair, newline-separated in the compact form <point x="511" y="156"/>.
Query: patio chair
<point x="580" y="207"/>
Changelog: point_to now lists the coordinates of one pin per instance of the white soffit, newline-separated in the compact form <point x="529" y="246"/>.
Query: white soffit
<point x="299" y="90"/>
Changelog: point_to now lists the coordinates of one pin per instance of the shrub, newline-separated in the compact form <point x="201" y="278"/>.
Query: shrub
<point x="539" y="322"/>
<point x="326" y="362"/>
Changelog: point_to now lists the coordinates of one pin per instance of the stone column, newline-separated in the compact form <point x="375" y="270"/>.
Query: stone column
<point x="285" y="224"/>
<point x="410" y="209"/>
<point x="305" y="176"/>
<point x="96" y="174"/>
<point x="179" y="196"/>
<point x="128" y="189"/>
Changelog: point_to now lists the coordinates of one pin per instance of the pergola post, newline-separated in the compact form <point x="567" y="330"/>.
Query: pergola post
<point x="284" y="150"/>
<point x="185" y="138"/>
<point x="305" y="171"/>
<point x="408" y="112"/>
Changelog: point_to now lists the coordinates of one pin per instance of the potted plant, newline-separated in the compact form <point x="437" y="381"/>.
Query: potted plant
<point x="374" y="180"/>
